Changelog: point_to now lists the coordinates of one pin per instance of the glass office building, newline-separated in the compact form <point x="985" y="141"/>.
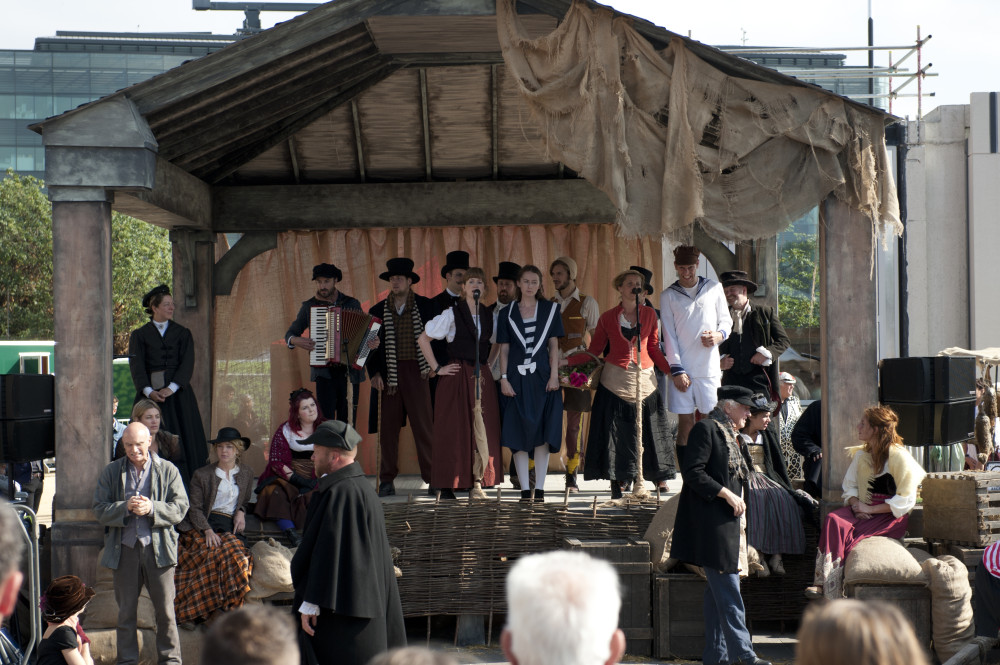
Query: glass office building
<point x="74" y="68"/>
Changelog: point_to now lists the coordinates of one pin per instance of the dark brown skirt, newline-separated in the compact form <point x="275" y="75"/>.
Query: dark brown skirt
<point x="280" y="500"/>
<point x="453" y="449"/>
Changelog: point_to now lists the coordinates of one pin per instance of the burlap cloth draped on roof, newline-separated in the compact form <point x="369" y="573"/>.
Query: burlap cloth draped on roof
<point x="671" y="140"/>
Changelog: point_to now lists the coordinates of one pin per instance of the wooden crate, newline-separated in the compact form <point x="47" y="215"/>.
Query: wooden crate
<point x="962" y="508"/>
<point x="630" y="559"/>
<point x="678" y="600"/>
<point x="913" y="600"/>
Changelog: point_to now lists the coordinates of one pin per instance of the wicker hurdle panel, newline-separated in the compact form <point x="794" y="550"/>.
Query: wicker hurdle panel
<point x="455" y="555"/>
<point x="782" y="599"/>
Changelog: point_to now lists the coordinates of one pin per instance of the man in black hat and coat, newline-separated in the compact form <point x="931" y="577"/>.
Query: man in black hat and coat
<point x="331" y="381"/>
<point x="756" y="341"/>
<point x="399" y="372"/>
<point x="506" y="281"/>
<point x="708" y="524"/>
<point x="345" y="584"/>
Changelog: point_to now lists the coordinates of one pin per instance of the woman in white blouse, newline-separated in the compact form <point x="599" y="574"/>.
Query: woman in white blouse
<point x="213" y="562"/>
<point x="461" y="458"/>
<point x="880" y="490"/>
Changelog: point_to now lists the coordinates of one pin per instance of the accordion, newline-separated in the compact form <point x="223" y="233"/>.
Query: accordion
<point x="341" y="336"/>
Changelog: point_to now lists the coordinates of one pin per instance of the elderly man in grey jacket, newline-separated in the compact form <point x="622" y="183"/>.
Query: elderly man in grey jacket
<point x="140" y="498"/>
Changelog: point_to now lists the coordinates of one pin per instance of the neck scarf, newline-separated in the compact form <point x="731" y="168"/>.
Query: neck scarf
<point x="392" y="379"/>
<point x="737" y="463"/>
<point x="738" y="315"/>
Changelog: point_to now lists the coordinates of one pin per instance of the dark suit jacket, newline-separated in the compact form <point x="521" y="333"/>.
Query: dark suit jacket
<point x="706" y="533"/>
<point x="301" y="323"/>
<point x="767" y="331"/>
<point x="376" y="359"/>
<point x="204" y="487"/>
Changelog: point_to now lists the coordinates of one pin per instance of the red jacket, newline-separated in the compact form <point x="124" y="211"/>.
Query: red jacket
<point x="623" y="350"/>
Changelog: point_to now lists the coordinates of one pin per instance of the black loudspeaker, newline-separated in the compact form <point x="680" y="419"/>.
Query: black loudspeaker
<point x="27" y="396"/>
<point x="935" y="424"/>
<point x="27" y="440"/>
<point x="934" y="379"/>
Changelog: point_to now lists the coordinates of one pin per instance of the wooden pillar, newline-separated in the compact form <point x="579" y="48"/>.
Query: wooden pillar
<point x="848" y="334"/>
<point x="194" y="262"/>
<point x="81" y="258"/>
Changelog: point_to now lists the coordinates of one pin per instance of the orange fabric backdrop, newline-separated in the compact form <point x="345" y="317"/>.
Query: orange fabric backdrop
<point x="250" y="353"/>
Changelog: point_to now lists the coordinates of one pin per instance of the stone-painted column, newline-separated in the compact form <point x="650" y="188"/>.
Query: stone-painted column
<point x="194" y="262"/>
<point x="81" y="252"/>
<point x="849" y="336"/>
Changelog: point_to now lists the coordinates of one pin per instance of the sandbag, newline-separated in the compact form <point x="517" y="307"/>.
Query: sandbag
<point x="660" y="532"/>
<point x="952" y="625"/>
<point x="881" y="560"/>
<point x="272" y="571"/>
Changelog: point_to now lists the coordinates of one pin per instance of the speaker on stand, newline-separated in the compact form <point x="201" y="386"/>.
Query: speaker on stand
<point x="935" y="398"/>
<point x="27" y="419"/>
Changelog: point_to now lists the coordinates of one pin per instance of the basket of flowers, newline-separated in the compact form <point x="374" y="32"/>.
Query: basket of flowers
<point x="585" y="376"/>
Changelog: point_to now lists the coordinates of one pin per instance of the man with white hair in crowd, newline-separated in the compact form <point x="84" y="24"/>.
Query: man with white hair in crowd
<point x="562" y="610"/>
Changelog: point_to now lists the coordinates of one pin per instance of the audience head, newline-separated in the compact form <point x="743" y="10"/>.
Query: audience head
<point x="252" y="635"/>
<point x="412" y="656"/>
<point x="562" y="610"/>
<point x="852" y="632"/>
<point x="786" y="385"/>
<point x="302" y="408"/>
<point x="11" y="550"/>
<point x="529" y="282"/>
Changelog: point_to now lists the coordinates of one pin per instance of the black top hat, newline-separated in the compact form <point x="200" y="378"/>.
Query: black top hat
<point x="457" y="259"/>
<point x="738" y="278"/>
<point x="738" y="394"/>
<point x="327" y="270"/>
<point x="508" y="270"/>
<point x="400" y="266"/>
<point x="227" y="434"/>
<point x="162" y="289"/>
<point x="647" y="278"/>
<point x="333" y="434"/>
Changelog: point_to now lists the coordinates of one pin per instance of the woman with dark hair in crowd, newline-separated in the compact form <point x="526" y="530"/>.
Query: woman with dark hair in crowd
<point x="213" y="562"/>
<point x="880" y="490"/>
<point x="774" y="521"/>
<point x="613" y="442"/>
<point x="283" y="489"/>
<point x="162" y="362"/>
<point x="64" y="641"/>
<point x="465" y="454"/>
<point x="527" y="332"/>
<point x="162" y="442"/>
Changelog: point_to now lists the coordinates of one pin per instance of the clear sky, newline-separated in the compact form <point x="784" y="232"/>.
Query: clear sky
<point x="960" y="49"/>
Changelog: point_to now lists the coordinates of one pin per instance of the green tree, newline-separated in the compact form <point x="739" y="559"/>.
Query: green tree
<point x="25" y="259"/>
<point x="140" y="259"/>
<point x="798" y="282"/>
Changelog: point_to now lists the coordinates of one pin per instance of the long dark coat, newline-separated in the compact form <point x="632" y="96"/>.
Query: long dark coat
<point x="174" y="355"/>
<point x="376" y="359"/>
<point x="706" y="533"/>
<point x="766" y="330"/>
<point x="345" y="567"/>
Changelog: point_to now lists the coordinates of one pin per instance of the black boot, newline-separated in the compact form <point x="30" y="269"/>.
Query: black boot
<point x="616" y="489"/>
<point x="571" y="483"/>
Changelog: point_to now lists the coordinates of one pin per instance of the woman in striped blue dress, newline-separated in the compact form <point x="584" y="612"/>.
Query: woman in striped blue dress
<point x="774" y="520"/>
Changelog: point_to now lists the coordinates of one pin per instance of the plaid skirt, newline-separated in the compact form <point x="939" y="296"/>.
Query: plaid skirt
<point x="210" y="578"/>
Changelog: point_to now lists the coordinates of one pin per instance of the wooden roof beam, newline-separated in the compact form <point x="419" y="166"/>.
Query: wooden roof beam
<point x="433" y="204"/>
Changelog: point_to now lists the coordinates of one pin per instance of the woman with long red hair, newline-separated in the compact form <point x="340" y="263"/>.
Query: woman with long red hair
<point x="880" y="490"/>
